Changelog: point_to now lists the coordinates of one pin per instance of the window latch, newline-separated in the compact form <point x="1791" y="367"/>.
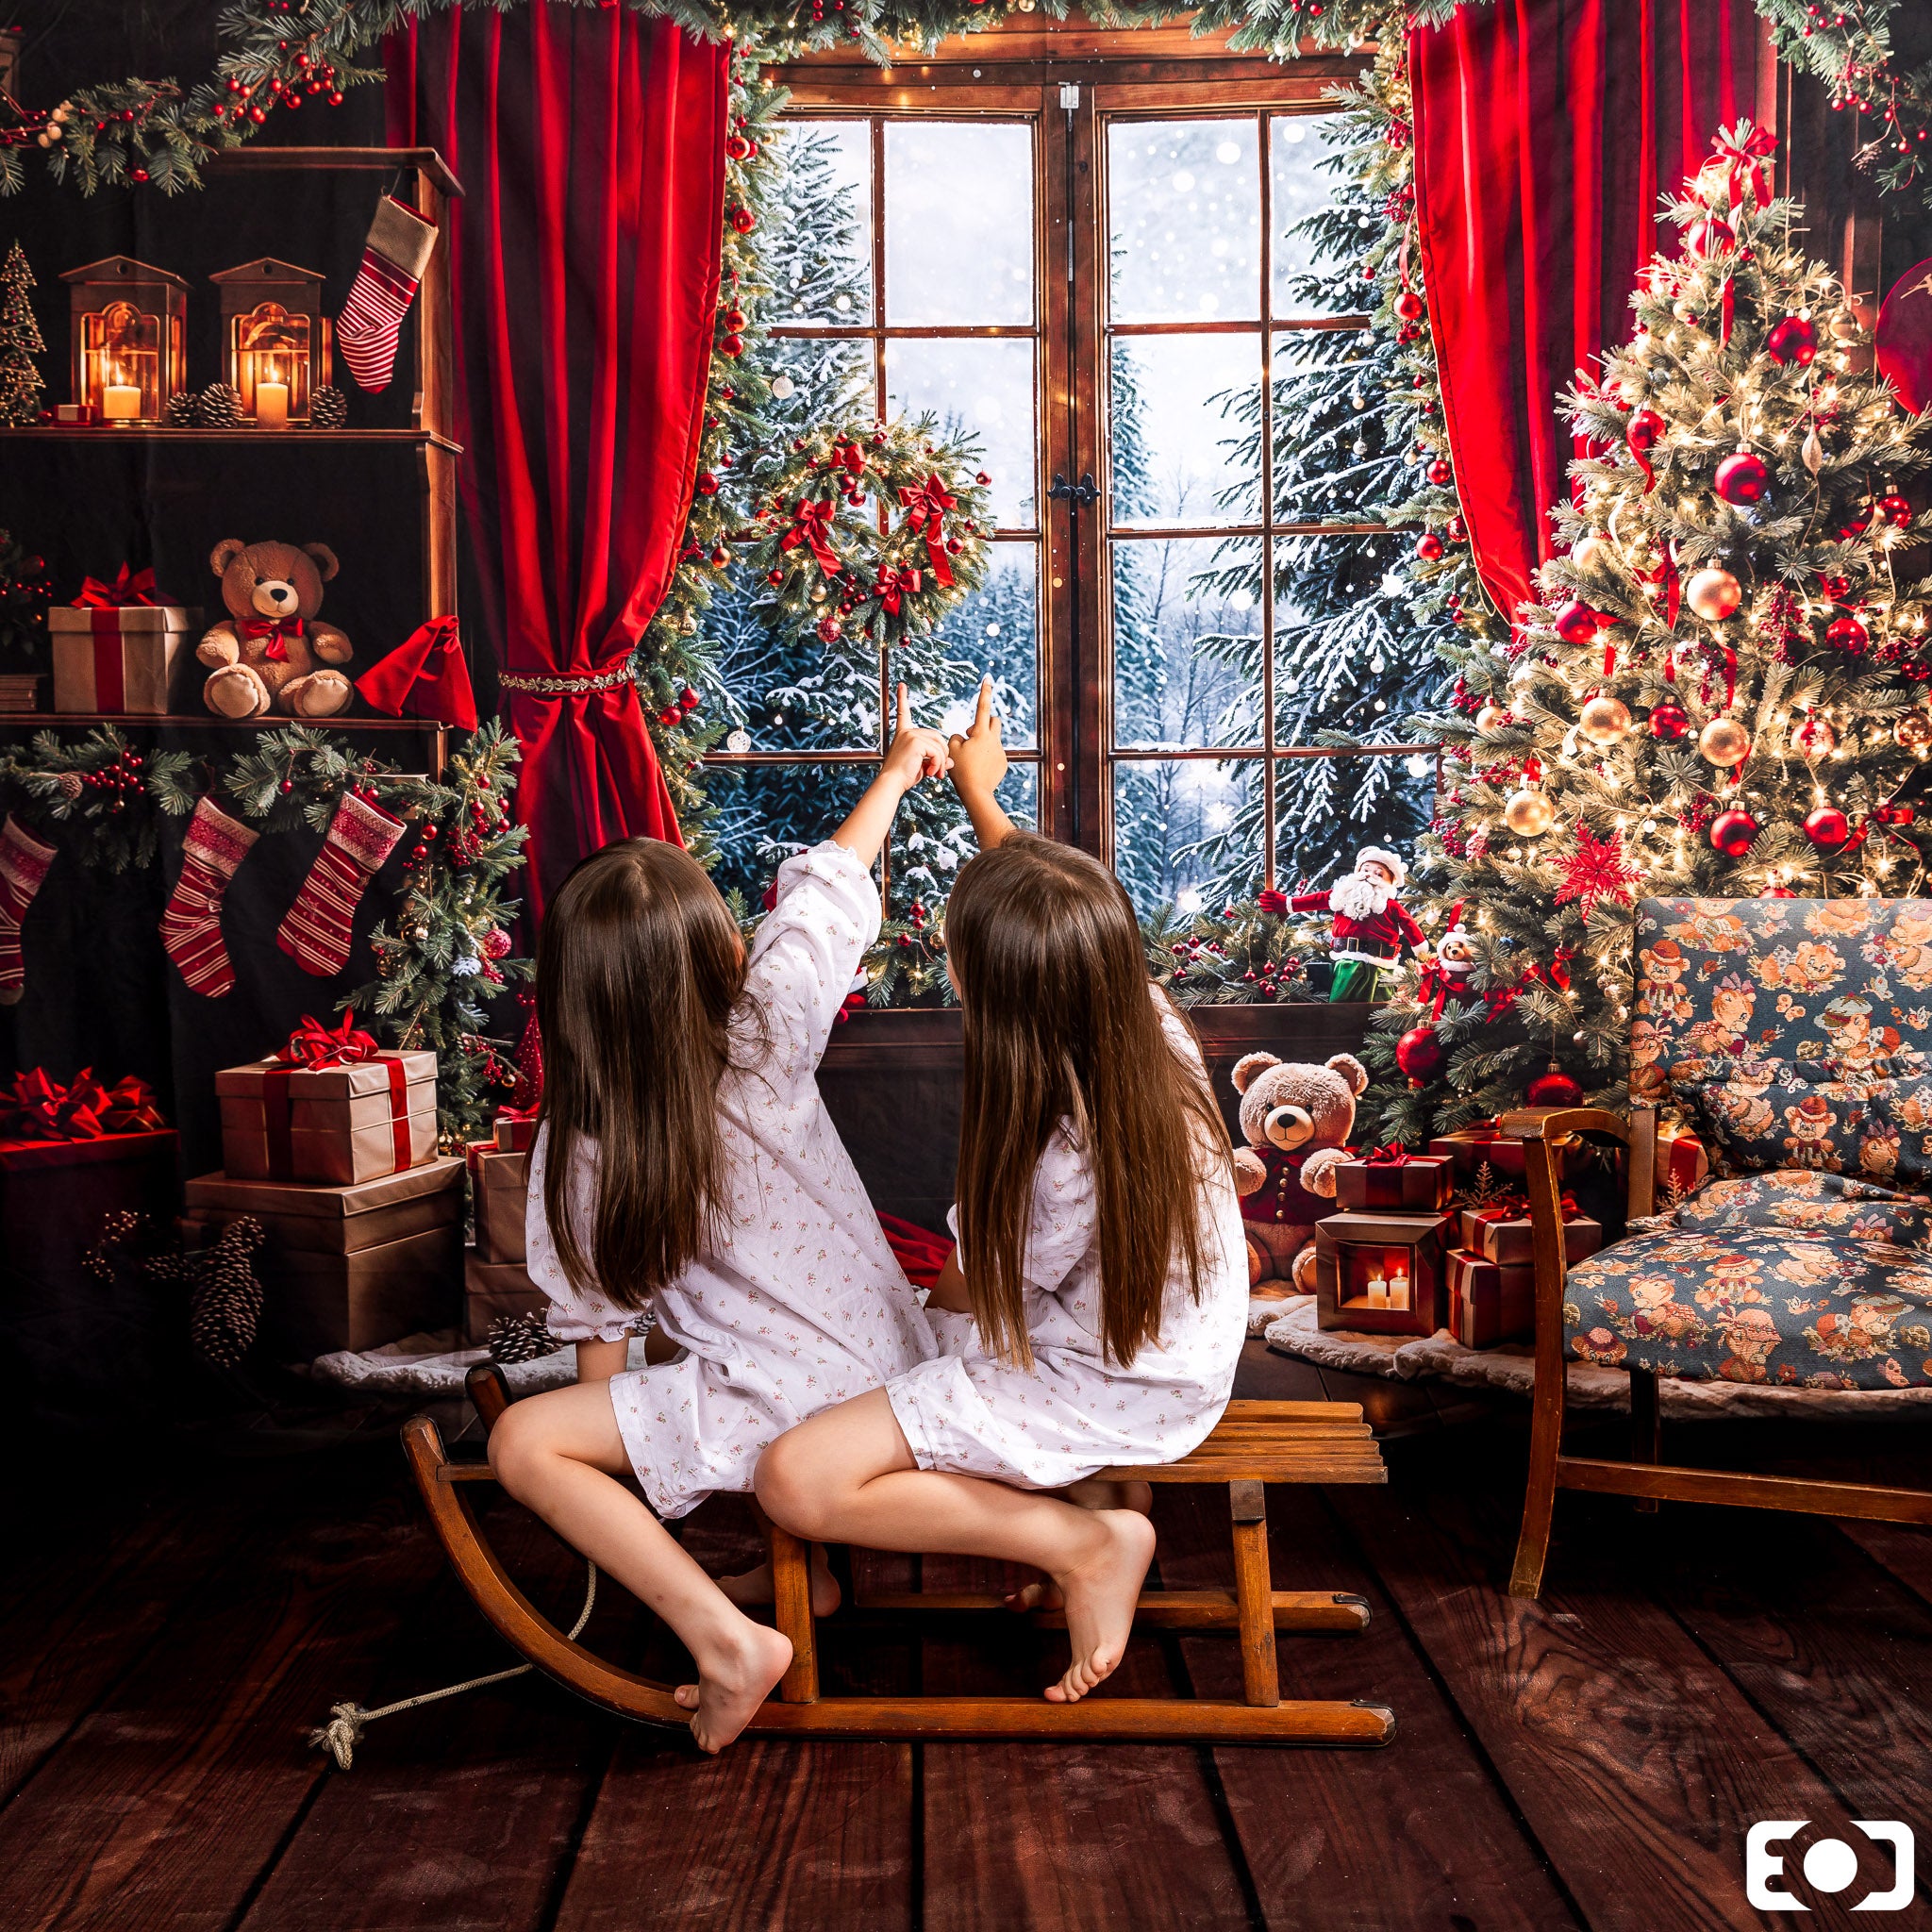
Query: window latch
<point x="1070" y="96"/>
<point x="1082" y="495"/>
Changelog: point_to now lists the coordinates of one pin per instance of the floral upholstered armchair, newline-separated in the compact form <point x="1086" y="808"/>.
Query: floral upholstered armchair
<point x="1796" y="1036"/>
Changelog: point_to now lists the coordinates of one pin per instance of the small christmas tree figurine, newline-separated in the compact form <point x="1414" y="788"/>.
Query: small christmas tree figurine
<point x="1724" y="692"/>
<point x="20" y="342"/>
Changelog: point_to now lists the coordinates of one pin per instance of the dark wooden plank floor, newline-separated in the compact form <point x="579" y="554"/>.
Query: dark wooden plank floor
<point x="1591" y="1760"/>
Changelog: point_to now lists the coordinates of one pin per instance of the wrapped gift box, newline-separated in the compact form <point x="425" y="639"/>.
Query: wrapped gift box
<point x="1419" y="1184"/>
<point x="1470" y="1149"/>
<point x="498" y="1182"/>
<point x="1681" y="1164"/>
<point x="354" y="1266"/>
<point x="515" y="1131"/>
<point x="495" y="1288"/>
<point x="1382" y="1273"/>
<point x="331" y="1124"/>
<point x="1503" y="1233"/>
<point x="1490" y="1301"/>
<point x="131" y="658"/>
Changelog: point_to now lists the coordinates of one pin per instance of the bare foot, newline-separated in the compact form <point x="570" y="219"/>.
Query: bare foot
<point x="1100" y="1596"/>
<point x="753" y="1590"/>
<point x="1090" y="1492"/>
<point x="728" y="1695"/>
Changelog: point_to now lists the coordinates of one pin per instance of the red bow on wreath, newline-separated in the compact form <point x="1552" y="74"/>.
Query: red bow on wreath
<point x="278" y="630"/>
<point x="811" y="525"/>
<point x="1740" y="157"/>
<point x="926" y="510"/>
<point x="39" y="1108"/>
<point x="313" y="1046"/>
<point x="128" y="588"/>
<point x="894" y="585"/>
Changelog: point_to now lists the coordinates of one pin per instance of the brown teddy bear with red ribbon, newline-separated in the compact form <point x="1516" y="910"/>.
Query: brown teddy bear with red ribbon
<point x="1296" y="1119"/>
<point x="270" y="653"/>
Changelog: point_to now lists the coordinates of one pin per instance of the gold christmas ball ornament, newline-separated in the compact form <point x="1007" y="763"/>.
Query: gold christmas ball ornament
<point x="1714" y="594"/>
<point x="1914" y="731"/>
<point x="1528" y="813"/>
<point x="1725" y="742"/>
<point x="1593" y="551"/>
<point x="1604" y="719"/>
<point x="1492" y="718"/>
<point x="1844" y="326"/>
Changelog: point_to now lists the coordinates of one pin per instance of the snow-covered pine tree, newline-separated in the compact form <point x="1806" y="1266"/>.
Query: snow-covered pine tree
<point x="20" y="342"/>
<point x="1726" y="692"/>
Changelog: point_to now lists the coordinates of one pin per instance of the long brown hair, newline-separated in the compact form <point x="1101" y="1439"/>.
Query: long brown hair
<point x="639" y="969"/>
<point x="1058" y="1026"/>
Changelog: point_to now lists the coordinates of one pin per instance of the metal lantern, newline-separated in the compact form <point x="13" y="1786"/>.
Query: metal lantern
<point x="276" y="339"/>
<point x="129" y="329"/>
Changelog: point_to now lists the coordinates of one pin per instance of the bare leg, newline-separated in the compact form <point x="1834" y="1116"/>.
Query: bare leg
<point x="1091" y="1492"/>
<point x="847" y="1475"/>
<point x="753" y="1589"/>
<point x="560" y="1455"/>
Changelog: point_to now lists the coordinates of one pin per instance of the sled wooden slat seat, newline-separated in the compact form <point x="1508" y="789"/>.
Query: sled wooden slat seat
<point x="1254" y="1442"/>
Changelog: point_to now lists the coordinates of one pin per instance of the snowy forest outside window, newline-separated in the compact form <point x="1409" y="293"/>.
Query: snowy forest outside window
<point x="1173" y="318"/>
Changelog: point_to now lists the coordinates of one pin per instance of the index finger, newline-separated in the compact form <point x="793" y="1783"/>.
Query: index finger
<point x="983" y="710"/>
<point x="905" y="718"/>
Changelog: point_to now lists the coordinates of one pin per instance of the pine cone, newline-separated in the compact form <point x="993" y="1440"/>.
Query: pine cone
<point x="521" y="1338"/>
<point x="328" y="409"/>
<point x="220" y="407"/>
<point x="183" y="412"/>
<point x="226" y="1308"/>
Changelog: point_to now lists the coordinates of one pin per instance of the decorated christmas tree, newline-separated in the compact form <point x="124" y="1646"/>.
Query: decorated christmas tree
<point x="1725" y="693"/>
<point x="20" y="342"/>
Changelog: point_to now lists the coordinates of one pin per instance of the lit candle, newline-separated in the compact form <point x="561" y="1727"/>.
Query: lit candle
<point x="1378" y="1291"/>
<point x="271" y="404"/>
<point x="120" y="402"/>
<point x="1398" y="1285"/>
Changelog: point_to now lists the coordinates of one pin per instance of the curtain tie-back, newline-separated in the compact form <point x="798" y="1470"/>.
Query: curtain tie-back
<point x="558" y="685"/>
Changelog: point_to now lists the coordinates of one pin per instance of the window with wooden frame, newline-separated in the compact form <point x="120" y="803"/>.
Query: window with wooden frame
<point x="1081" y="246"/>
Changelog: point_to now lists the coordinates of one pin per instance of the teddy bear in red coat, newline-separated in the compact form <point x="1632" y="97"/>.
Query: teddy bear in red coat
<point x="1296" y="1119"/>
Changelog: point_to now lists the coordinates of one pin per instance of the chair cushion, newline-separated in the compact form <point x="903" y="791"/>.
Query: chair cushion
<point x="1802" y="1277"/>
<point x="1761" y="1114"/>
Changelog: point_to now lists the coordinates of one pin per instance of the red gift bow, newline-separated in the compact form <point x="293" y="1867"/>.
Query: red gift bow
<point x="43" y="1110"/>
<point x="508" y="1112"/>
<point x="1740" y="155"/>
<point x="1393" y="1154"/>
<point x="313" y="1046"/>
<point x="128" y="589"/>
<point x="275" y="629"/>
<point x="926" y="510"/>
<point x="426" y="676"/>
<point x="895" y="584"/>
<point x="812" y="526"/>
<point x="1516" y="1207"/>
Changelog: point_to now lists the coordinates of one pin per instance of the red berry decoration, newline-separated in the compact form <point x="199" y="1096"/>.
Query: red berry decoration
<point x="1792" y="342"/>
<point x="1848" y="635"/>
<point x="1828" y="828"/>
<point x="1669" y="720"/>
<point x="1418" y="1053"/>
<point x="1554" y="1088"/>
<point x="1732" y="833"/>
<point x="1577" y="623"/>
<point x="1429" y="546"/>
<point x="1742" y="477"/>
<point x="1442" y="472"/>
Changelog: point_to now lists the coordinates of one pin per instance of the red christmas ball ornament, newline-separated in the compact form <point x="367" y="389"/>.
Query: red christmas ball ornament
<point x="1742" y="479"/>
<point x="732" y="345"/>
<point x="670" y="715"/>
<point x="1669" y="720"/>
<point x="688" y="698"/>
<point x="1429" y="546"/>
<point x="494" y="944"/>
<point x="743" y="219"/>
<point x="738" y="149"/>
<point x="1828" y="828"/>
<point x="1732" y="833"/>
<point x="1848" y="635"/>
<point x="1777" y="892"/>
<point x="734" y="319"/>
<point x="1456" y="530"/>
<point x="1554" y="1088"/>
<point x="1442" y="472"/>
<point x="1418" y="1053"/>
<point x="1408" y="305"/>
<point x="1711" y="235"/>
<point x="1792" y="342"/>
<point x="707" y="484"/>
<point x="1895" y="509"/>
<point x="1576" y="622"/>
<point x="1646" y="429"/>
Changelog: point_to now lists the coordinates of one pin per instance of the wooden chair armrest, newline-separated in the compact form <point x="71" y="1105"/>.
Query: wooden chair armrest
<point x="1557" y="1126"/>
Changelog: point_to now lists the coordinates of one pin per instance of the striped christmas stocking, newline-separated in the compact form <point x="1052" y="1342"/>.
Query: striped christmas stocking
<point x="394" y="257"/>
<point x="191" y="925"/>
<point x="315" y="931"/>
<point x="24" y="862"/>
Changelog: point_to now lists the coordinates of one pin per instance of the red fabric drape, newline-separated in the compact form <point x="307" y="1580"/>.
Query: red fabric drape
<point x="584" y="266"/>
<point x="1545" y="130"/>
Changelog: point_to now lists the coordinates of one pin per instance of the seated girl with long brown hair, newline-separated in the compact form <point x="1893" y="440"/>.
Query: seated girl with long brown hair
<point x="685" y="1163"/>
<point x="1100" y="1254"/>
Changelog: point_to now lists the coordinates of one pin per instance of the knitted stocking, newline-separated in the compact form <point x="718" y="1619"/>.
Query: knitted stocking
<point x="24" y="862"/>
<point x="315" y="932"/>
<point x="394" y="257"/>
<point x="191" y="925"/>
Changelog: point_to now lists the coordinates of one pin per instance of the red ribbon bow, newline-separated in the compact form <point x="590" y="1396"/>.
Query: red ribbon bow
<point x="1268" y="900"/>
<point x="895" y="585"/>
<point x="1740" y="155"/>
<point x="1393" y="1154"/>
<point x="1516" y="1207"/>
<point x="812" y="526"/>
<point x="926" y="510"/>
<point x="508" y="1112"/>
<point x="275" y="629"/>
<point x="128" y="588"/>
<point x="39" y="1108"/>
<point x="313" y="1046"/>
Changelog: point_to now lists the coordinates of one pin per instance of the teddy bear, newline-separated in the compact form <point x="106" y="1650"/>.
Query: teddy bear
<point x="1296" y="1119"/>
<point x="264" y="655"/>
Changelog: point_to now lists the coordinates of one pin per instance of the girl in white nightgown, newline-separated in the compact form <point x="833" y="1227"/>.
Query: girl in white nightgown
<point x="1099" y="1293"/>
<point x="686" y="1163"/>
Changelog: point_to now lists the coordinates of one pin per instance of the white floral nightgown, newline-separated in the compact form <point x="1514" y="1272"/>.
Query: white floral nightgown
<point x="1075" y="1411"/>
<point x="799" y="1302"/>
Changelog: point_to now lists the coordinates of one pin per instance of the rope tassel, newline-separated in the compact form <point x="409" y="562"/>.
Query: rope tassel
<point x="347" y="1721"/>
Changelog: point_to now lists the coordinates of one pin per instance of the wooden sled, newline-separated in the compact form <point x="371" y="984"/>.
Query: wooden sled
<point x="1254" y="1442"/>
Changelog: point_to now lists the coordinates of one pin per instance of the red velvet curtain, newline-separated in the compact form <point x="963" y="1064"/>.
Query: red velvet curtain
<point x="584" y="264"/>
<point x="1545" y="130"/>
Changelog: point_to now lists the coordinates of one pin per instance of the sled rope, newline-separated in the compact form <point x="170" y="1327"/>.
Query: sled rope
<point x="347" y="1721"/>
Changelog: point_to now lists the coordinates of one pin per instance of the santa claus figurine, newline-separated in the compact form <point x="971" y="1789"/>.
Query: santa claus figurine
<point x="1371" y="926"/>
